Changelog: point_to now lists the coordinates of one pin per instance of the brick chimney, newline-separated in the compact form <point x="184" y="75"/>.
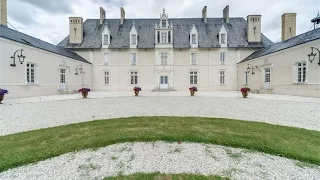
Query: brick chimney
<point x="122" y="15"/>
<point x="75" y="30"/>
<point x="289" y="25"/>
<point x="204" y="14"/>
<point x="3" y="12"/>
<point x="226" y="14"/>
<point x="102" y="15"/>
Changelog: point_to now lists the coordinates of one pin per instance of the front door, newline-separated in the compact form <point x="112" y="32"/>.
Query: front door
<point x="63" y="84"/>
<point x="267" y="78"/>
<point x="164" y="82"/>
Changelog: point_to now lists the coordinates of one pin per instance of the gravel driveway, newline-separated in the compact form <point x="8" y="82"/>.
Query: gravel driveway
<point x="18" y="116"/>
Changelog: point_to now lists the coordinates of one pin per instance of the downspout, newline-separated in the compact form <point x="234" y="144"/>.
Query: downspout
<point x="209" y="70"/>
<point x="92" y="70"/>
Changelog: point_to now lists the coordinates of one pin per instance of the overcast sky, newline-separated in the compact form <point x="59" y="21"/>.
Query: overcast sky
<point x="48" y="19"/>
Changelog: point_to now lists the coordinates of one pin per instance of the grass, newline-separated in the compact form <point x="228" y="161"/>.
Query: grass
<point x="157" y="176"/>
<point x="28" y="147"/>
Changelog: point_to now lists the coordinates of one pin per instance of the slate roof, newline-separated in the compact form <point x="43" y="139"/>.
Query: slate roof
<point x="292" y="42"/>
<point x="19" y="37"/>
<point x="207" y="33"/>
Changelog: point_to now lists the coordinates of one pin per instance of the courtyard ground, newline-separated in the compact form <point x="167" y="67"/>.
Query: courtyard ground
<point x="24" y="114"/>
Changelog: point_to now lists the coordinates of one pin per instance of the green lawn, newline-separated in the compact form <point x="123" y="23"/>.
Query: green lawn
<point x="157" y="176"/>
<point x="23" y="148"/>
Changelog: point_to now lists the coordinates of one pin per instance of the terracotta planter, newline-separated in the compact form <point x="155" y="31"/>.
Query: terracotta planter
<point x="245" y="94"/>
<point x="136" y="93"/>
<point x="84" y="94"/>
<point x="192" y="92"/>
<point x="1" y="98"/>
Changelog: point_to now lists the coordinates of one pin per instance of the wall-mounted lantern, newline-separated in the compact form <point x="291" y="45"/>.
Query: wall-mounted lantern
<point x="21" y="58"/>
<point x="312" y="56"/>
<point x="79" y="68"/>
<point x="252" y="68"/>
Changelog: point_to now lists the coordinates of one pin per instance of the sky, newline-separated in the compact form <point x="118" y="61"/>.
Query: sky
<point x="48" y="19"/>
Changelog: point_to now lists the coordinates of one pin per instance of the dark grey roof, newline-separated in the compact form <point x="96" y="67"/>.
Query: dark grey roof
<point x="208" y="33"/>
<point x="295" y="41"/>
<point x="17" y="36"/>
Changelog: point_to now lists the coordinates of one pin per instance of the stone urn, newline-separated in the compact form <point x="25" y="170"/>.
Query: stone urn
<point x="136" y="91"/>
<point x="84" y="94"/>
<point x="193" y="90"/>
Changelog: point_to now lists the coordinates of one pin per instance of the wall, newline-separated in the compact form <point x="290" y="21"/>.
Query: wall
<point x="48" y="82"/>
<point x="283" y="73"/>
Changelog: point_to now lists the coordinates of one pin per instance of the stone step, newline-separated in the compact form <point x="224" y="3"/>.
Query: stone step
<point x="163" y="90"/>
<point x="67" y="91"/>
<point x="262" y="91"/>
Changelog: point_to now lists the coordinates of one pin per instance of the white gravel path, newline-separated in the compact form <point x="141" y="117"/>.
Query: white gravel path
<point x="18" y="115"/>
<point x="168" y="158"/>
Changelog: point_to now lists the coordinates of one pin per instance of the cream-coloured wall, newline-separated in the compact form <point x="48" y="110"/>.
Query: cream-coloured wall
<point x="282" y="71"/>
<point x="48" y="73"/>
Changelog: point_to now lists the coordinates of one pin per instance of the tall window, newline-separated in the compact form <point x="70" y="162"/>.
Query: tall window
<point x="194" y="39"/>
<point x="164" y="23"/>
<point x="62" y="76"/>
<point x="164" y="58"/>
<point x="301" y="72"/>
<point x="222" y="77"/>
<point x="194" y="58"/>
<point x="223" y="38"/>
<point x="106" y="40"/>
<point x="267" y="75"/>
<point x="133" y="39"/>
<point x="163" y="37"/>
<point x="134" y="77"/>
<point x="222" y="57"/>
<point x="133" y="58"/>
<point x="105" y="58"/>
<point x="193" y="77"/>
<point x="31" y="73"/>
<point x="106" y="77"/>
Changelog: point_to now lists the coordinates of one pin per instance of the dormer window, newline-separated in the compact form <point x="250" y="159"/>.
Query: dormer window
<point x="223" y="38"/>
<point x="106" y="37"/>
<point x="194" y="39"/>
<point x="133" y="39"/>
<point x="106" y="40"/>
<point x="163" y="37"/>
<point x="164" y="23"/>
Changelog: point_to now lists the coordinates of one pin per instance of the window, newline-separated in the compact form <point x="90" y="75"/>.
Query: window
<point x="106" y="77"/>
<point x="105" y="58"/>
<point x="222" y="77"/>
<point x="106" y="40"/>
<point x="133" y="39"/>
<point x="31" y="73"/>
<point x="164" y="23"/>
<point x="194" y="59"/>
<point x="267" y="75"/>
<point x="193" y="39"/>
<point x="222" y="57"/>
<point x="164" y="58"/>
<point x="133" y="59"/>
<point x="193" y="77"/>
<point x="223" y="38"/>
<point x="301" y="72"/>
<point x="246" y="78"/>
<point x="134" y="77"/>
<point x="163" y="37"/>
<point x="62" y="76"/>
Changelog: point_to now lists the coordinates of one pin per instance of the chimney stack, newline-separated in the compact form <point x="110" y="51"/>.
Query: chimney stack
<point x="226" y="14"/>
<point x="75" y="30"/>
<point x="3" y="12"/>
<point x="102" y="15"/>
<point x="289" y="26"/>
<point x="254" y="28"/>
<point x="122" y="15"/>
<point x="204" y="14"/>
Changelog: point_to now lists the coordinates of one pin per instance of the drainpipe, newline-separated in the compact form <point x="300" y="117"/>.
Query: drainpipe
<point x="92" y="71"/>
<point x="209" y="69"/>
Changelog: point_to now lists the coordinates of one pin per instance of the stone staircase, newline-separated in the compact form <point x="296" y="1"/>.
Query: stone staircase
<point x="163" y="90"/>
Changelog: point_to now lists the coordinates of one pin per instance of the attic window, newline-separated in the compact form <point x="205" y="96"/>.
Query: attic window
<point x="133" y="39"/>
<point x="223" y="38"/>
<point x="164" y="23"/>
<point x="106" y="40"/>
<point x="193" y="39"/>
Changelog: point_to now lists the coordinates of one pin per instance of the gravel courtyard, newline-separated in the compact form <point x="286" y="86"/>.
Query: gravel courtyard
<point x="18" y="115"/>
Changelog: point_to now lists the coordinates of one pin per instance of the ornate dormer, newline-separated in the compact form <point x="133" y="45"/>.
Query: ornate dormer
<point x="133" y="37"/>
<point x="106" y="37"/>
<point x="223" y="37"/>
<point x="193" y="37"/>
<point x="163" y="30"/>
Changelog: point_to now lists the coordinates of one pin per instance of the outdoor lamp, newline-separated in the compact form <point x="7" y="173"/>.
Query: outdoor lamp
<point x="21" y="58"/>
<point x="248" y="69"/>
<point x="312" y="55"/>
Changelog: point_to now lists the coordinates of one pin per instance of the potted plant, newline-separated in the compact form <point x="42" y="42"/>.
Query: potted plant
<point x="136" y="90"/>
<point x="193" y="90"/>
<point x="84" y="92"/>
<point x="2" y="93"/>
<point x="245" y="91"/>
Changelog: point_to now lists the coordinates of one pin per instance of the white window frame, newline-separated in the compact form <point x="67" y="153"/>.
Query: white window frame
<point x="165" y="23"/>
<point x="222" y="77"/>
<point x="267" y="75"/>
<point x="164" y="37"/>
<point x="296" y="72"/>
<point x="105" y="59"/>
<point x="223" y="38"/>
<point x="224" y="62"/>
<point x="106" y="77"/>
<point x="164" y="58"/>
<point x="223" y="32"/>
<point x="134" y="77"/>
<point x="36" y="75"/>
<point x="131" y="58"/>
<point x="193" y="38"/>
<point x="106" y="40"/>
<point x="63" y="74"/>
<point x="192" y="55"/>
<point x="193" y="77"/>
<point x="134" y="38"/>
<point x="106" y="34"/>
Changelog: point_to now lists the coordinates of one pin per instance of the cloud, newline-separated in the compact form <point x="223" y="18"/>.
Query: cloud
<point x="48" y="19"/>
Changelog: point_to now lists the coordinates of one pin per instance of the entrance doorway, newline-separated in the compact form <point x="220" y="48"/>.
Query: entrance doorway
<point x="164" y="82"/>
<point x="63" y="83"/>
<point x="267" y="78"/>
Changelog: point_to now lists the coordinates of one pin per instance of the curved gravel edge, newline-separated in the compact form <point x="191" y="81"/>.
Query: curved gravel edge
<point x="167" y="158"/>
